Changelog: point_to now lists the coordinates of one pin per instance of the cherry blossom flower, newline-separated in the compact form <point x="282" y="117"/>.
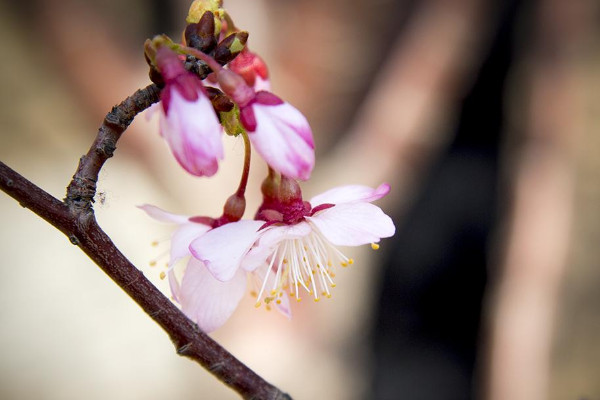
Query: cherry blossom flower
<point x="277" y="130"/>
<point x="296" y="249"/>
<point x="207" y="301"/>
<point x="187" y="120"/>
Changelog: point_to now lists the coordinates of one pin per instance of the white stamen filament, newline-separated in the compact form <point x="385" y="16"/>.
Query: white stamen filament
<point x="307" y="262"/>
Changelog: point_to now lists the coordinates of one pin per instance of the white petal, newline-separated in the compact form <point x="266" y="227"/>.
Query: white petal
<point x="164" y="216"/>
<point x="206" y="300"/>
<point x="284" y="139"/>
<point x="183" y="237"/>
<point x="284" y="307"/>
<point x="194" y="134"/>
<point x="223" y="248"/>
<point x="353" y="224"/>
<point x="269" y="239"/>
<point x="350" y="194"/>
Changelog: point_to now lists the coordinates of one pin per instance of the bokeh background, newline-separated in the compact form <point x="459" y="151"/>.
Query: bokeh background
<point x="484" y="117"/>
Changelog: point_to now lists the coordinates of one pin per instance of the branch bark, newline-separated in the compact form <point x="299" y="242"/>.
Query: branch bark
<point x="75" y="218"/>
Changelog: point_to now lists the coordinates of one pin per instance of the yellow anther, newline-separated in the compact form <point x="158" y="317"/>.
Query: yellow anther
<point x="374" y="246"/>
<point x="324" y="293"/>
<point x="333" y="285"/>
<point x="344" y="264"/>
<point x="268" y="300"/>
<point x="350" y="261"/>
<point x="329" y="295"/>
<point x="331" y="274"/>
<point x="257" y="304"/>
<point x="253" y="293"/>
<point x="280" y="294"/>
<point x="278" y="301"/>
<point x="317" y="299"/>
<point x="155" y="243"/>
<point x="273" y="292"/>
<point x="268" y="308"/>
<point x="152" y="263"/>
<point x="329" y="264"/>
<point x="299" y="299"/>
<point x="285" y="261"/>
<point x="162" y="275"/>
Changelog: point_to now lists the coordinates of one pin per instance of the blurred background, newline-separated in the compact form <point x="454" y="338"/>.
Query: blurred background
<point x="483" y="116"/>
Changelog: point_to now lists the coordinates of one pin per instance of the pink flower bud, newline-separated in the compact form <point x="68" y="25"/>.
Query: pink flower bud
<point x="281" y="135"/>
<point x="252" y="68"/>
<point x="187" y="119"/>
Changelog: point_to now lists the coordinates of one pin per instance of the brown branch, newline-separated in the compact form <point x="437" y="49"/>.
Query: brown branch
<point x="75" y="218"/>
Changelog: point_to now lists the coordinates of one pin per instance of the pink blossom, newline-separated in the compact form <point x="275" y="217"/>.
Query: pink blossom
<point x="187" y="119"/>
<point x="280" y="134"/>
<point x="207" y="301"/>
<point x="297" y="250"/>
<point x="277" y="130"/>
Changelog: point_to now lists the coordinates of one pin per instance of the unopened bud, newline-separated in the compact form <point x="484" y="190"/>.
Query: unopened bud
<point x="234" y="208"/>
<point x="289" y="190"/>
<point x="220" y="102"/>
<point x="201" y="35"/>
<point x="199" y="7"/>
<point x="230" y="47"/>
<point x="250" y="66"/>
<point x="150" y="56"/>
<point x="270" y="187"/>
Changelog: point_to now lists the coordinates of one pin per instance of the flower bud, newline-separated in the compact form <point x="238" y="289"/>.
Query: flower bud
<point x="289" y="190"/>
<point x="252" y="68"/>
<point x="199" y="7"/>
<point x="230" y="47"/>
<point x="201" y="35"/>
<point x="234" y="208"/>
<point x="150" y="56"/>
<point x="220" y="101"/>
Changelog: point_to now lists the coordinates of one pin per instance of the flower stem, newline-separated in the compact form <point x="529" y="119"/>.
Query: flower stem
<point x="246" y="171"/>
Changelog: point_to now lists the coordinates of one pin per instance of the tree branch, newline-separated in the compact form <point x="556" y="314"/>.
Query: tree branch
<point x="75" y="218"/>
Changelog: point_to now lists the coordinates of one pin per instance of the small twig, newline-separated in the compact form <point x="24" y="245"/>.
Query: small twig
<point x="75" y="218"/>
<point x="82" y="189"/>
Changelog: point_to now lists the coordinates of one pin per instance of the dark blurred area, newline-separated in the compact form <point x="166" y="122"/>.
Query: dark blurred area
<point x="484" y="118"/>
<point x="428" y="325"/>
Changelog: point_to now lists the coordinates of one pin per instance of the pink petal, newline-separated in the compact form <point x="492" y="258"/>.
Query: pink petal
<point x="284" y="307"/>
<point x="193" y="133"/>
<point x="163" y="216"/>
<point x="182" y="238"/>
<point x="284" y="139"/>
<point x="353" y="224"/>
<point x="262" y="84"/>
<point x="222" y="249"/>
<point x="269" y="239"/>
<point x="350" y="194"/>
<point x="206" y="300"/>
<point x="173" y="285"/>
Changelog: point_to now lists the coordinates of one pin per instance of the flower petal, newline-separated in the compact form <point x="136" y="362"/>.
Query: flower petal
<point x="183" y="237"/>
<point x="206" y="300"/>
<point x="350" y="194"/>
<point x="268" y="241"/>
<point x="163" y="216"/>
<point x="353" y="224"/>
<point x="223" y="248"/>
<point x="284" y="139"/>
<point x="193" y="132"/>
